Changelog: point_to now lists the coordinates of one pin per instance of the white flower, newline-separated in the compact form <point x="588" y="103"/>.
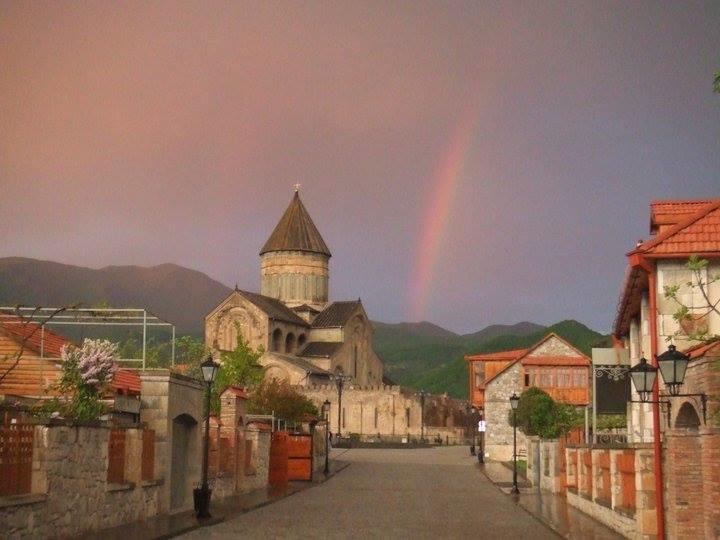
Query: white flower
<point x="96" y="360"/>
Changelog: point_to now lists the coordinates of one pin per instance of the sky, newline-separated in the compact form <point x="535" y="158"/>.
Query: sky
<point x="467" y="163"/>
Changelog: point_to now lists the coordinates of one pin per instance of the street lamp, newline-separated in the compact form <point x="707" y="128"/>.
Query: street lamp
<point x="326" y="415"/>
<point x="481" y="439"/>
<point x="339" y="379"/>
<point x="202" y="494"/>
<point x="514" y="401"/>
<point x="643" y="376"/>
<point x="470" y="410"/>
<point x="673" y="364"/>
<point x="422" y="415"/>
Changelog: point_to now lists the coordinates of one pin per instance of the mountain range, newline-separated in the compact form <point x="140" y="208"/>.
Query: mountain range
<point x="418" y="355"/>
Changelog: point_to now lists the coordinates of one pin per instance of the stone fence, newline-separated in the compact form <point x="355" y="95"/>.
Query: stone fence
<point x="72" y="491"/>
<point x="615" y="485"/>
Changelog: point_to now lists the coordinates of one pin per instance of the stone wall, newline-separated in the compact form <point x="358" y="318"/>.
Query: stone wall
<point x="499" y="434"/>
<point x="388" y="412"/>
<point x="545" y="464"/>
<point x="70" y="493"/>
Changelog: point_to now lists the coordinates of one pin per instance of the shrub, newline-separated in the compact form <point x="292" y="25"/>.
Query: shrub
<point x="538" y="414"/>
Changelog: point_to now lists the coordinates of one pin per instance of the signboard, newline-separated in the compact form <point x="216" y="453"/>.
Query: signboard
<point x="481" y="426"/>
<point x="127" y="404"/>
<point x="611" y="382"/>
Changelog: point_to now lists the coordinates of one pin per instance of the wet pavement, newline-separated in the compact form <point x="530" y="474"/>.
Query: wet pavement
<point x="414" y="493"/>
<point x="554" y="510"/>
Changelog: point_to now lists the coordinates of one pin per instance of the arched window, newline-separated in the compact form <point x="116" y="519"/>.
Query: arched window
<point x="687" y="417"/>
<point x="277" y="339"/>
<point x="290" y="343"/>
<point x="301" y="341"/>
<point x="355" y="356"/>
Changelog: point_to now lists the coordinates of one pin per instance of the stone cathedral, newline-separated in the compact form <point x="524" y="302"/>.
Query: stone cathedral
<point x="306" y="337"/>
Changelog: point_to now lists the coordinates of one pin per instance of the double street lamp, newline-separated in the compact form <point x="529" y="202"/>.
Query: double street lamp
<point x="326" y="416"/>
<point x="202" y="494"/>
<point x="514" y="401"/>
<point x="672" y="364"/>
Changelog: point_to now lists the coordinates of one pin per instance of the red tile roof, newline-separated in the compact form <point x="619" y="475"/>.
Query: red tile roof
<point x="704" y="349"/>
<point x="126" y="381"/>
<point x="33" y="335"/>
<point x="236" y="391"/>
<point x="500" y="355"/>
<point x="667" y="213"/>
<point x="699" y="233"/>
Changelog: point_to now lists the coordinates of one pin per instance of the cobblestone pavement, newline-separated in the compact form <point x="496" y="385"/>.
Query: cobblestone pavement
<point x="418" y="493"/>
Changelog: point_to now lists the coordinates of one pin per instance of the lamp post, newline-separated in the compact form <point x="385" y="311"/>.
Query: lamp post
<point x="470" y="411"/>
<point x="514" y="401"/>
<point x="339" y="379"/>
<point x="481" y="439"/>
<point x="422" y="415"/>
<point x="326" y="415"/>
<point x="202" y="494"/>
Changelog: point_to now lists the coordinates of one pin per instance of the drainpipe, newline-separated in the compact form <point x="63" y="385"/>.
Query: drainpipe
<point x="657" y="446"/>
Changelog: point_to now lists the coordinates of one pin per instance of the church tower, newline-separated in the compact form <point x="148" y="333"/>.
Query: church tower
<point x="294" y="260"/>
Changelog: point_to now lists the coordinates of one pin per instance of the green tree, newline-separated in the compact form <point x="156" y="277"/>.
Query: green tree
<point x="237" y="368"/>
<point x="538" y="414"/>
<point x="280" y="398"/>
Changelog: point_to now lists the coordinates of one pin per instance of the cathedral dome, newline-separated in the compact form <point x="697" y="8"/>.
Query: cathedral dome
<point x="296" y="232"/>
<point x="294" y="260"/>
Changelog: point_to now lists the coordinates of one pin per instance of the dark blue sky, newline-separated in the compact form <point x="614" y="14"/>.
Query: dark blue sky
<point x="142" y="134"/>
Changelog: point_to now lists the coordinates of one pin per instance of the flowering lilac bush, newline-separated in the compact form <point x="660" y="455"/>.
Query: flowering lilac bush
<point x="85" y="371"/>
<point x="95" y="361"/>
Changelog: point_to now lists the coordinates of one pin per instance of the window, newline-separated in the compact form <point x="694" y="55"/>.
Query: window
<point x="407" y="416"/>
<point x="546" y="377"/>
<point x="343" y="416"/>
<point x="478" y="380"/>
<point x="563" y="378"/>
<point x="580" y="378"/>
<point x="527" y="379"/>
<point x="376" y="417"/>
<point x="355" y="355"/>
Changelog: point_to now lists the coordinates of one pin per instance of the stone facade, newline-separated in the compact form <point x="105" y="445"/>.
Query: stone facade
<point x="296" y="278"/>
<point x="390" y="412"/>
<point x="499" y="434"/>
<point x="70" y="493"/>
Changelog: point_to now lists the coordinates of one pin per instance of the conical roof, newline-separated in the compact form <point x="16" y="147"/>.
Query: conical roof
<point x="296" y="232"/>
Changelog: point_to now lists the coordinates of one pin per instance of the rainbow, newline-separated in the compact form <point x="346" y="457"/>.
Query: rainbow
<point x="448" y="174"/>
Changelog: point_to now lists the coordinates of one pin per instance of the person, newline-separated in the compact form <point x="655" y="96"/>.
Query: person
<point x="330" y="439"/>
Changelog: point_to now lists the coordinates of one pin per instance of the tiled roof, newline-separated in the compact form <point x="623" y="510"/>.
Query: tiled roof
<point x="704" y="349"/>
<point x="305" y="307"/>
<point x="699" y="233"/>
<point x="320" y="349"/>
<point x="126" y="381"/>
<point x="667" y="213"/>
<point x="33" y="335"/>
<point x="336" y="314"/>
<point x="299" y="362"/>
<point x="296" y="232"/>
<point x="500" y="355"/>
<point x="274" y="308"/>
<point x="236" y="391"/>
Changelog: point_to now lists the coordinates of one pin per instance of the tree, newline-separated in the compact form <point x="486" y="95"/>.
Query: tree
<point x="538" y="414"/>
<point x="237" y="368"/>
<point x="716" y="82"/>
<point x="279" y="398"/>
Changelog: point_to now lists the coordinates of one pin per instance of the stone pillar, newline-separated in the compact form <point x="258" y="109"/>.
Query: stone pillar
<point x="646" y="511"/>
<point x="168" y="400"/>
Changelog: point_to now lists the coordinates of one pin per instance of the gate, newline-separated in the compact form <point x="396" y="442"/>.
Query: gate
<point x="300" y="457"/>
<point x="278" y="466"/>
<point x="16" y="453"/>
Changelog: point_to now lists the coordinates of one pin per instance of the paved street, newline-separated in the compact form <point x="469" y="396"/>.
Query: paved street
<point x="424" y="493"/>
